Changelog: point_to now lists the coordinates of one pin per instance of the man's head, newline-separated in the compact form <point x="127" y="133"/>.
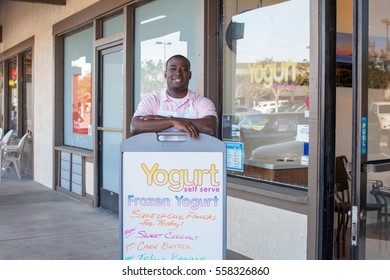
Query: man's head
<point x="178" y="75"/>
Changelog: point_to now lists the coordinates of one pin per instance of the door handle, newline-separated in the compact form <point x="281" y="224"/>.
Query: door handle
<point x="362" y="215"/>
<point x="376" y="166"/>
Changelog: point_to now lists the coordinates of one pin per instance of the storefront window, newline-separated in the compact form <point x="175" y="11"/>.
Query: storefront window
<point x="1" y="95"/>
<point x="161" y="32"/>
<point x="266" y="80"/>
<point x="27" y="92"/>
<point x="78" y="52"/>
<point x="113" y="25"/>
<point x="13" y="96"/>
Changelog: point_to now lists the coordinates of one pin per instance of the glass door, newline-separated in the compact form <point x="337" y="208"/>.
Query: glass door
<point x="375" y="195"/>
<point x="370" y="165"/>
<point x="110" y="125"/>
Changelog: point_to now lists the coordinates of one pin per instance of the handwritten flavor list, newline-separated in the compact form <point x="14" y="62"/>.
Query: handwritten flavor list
<point x="172" y="206"/>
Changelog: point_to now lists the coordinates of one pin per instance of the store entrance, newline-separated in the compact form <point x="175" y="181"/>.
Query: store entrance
<point x="362" y="224"/>
<point x="110" y="125"/>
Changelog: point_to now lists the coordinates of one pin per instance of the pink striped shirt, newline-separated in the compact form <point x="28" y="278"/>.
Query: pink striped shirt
<point x="151" y="104"/>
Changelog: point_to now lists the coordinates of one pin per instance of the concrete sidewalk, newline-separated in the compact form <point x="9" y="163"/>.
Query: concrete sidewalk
<point x="37" y="223"/>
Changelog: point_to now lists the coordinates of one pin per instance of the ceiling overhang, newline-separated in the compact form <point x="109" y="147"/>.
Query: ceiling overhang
<point x="51" y="2"/>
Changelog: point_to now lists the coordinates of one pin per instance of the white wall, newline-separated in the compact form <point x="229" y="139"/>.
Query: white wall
<point x="250" y="233"/>
<point x="21" y="21"/>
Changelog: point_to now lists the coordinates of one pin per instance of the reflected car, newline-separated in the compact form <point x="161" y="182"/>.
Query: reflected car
<point x="271" y="106"/>
<point x="265" y="129"/>
<point x="382" y="110"/>
<point x="295" y="107"/>
<point x="241" y="111"/>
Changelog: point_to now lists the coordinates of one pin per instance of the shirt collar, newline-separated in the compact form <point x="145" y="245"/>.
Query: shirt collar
<point x="164" y="96"/>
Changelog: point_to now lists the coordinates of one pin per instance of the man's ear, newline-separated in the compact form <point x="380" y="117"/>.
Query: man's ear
<point x="190" y="74"/>
<point x="165" y="74"/>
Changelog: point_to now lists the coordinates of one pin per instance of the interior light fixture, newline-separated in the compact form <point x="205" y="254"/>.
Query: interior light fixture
<point x="153" y="19"/>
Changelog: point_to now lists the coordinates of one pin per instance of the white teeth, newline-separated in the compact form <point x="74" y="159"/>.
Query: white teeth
<point x="178" y="80"/>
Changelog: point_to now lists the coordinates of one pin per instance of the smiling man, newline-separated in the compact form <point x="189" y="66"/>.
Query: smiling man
<point x="177" y="108"/>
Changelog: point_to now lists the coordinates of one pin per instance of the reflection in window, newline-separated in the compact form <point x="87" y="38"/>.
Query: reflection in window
<point x="78" y="51"/>
<point x="266" y="91"/>
<point x="113" y="25"/>
<point x="13" y="96"/>
<point x="27" y="92"/>
<point x="378" y="73"/>
<point x="158" y="36"/>
<point x="1" y="95"/>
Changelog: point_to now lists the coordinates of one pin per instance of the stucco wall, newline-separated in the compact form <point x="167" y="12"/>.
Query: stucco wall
<point x="21" y="21"/>
<point x="250" y="233"/>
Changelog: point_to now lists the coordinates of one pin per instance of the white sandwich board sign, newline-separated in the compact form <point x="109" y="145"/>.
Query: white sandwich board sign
<point x="173" y="198"/>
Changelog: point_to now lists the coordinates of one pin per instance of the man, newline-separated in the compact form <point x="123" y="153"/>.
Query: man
<point x="177" y="108"/>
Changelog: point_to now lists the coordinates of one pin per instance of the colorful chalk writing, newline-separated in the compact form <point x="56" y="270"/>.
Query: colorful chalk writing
<point x="166" y="235"/>
<point x="193" y="203"/>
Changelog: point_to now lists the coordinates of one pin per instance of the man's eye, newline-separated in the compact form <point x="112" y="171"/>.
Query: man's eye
<point x="184" y="69"/>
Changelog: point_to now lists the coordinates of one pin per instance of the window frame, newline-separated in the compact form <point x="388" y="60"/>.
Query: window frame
<point x="2" y="95"/>
<point x="15" y="52"/>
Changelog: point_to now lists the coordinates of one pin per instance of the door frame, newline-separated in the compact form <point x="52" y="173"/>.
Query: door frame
<point x="106" y="198"/>
<point x="359" y="110"/>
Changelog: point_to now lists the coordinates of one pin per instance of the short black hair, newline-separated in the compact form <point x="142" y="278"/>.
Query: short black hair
<point x="178" y="56"/>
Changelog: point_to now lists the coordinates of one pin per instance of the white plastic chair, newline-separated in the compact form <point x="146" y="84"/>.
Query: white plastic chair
<point x="7" y="137"/>
<point x="1" y="133"/>
<point x="12" y="155"/>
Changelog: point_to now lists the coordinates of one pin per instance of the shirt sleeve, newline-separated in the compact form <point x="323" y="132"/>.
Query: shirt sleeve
<point x="205" y="107"/>
<point x="147" y="106"/>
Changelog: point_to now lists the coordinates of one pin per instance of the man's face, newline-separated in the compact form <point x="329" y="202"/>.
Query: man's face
<point x="178" y="75"/>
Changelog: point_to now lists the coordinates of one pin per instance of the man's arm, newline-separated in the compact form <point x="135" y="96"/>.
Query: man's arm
<point x="207" y="125"/>
<point x="141" y="124"/>
<point x="193" y="127"/>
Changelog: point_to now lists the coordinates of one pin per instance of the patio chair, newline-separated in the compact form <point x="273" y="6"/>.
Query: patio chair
<point x="342" y="201"/>
<point x="7" y="137"/>
<point x="1" y="133"/>
<point x="380" y="193"/>
<point x="12" y="155"/>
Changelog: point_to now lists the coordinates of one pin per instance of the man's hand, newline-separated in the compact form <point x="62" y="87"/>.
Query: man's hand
<point x="157" y="123"/>
<point x="181" y="124"/>
<point x="186" y="126"/>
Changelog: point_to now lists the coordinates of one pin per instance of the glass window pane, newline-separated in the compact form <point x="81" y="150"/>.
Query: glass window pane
<point x="161" y="32"/>
<point x="27" y="92"/>
<point x="266" y="79"/>
<point x="110" y="160"/>
<point x="378" y="125"/>
<point x="113" y="25"/>
<point x="1" y="95"/>
<point x="378" y="122"/>
<point x="13" y="96"/>
<point x="112" y="65"/>
<point x="78" y="51"/>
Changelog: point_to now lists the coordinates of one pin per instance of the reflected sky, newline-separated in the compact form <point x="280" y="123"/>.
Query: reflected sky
<point x="162" y="48"/>
<point x="278" y="31"/>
